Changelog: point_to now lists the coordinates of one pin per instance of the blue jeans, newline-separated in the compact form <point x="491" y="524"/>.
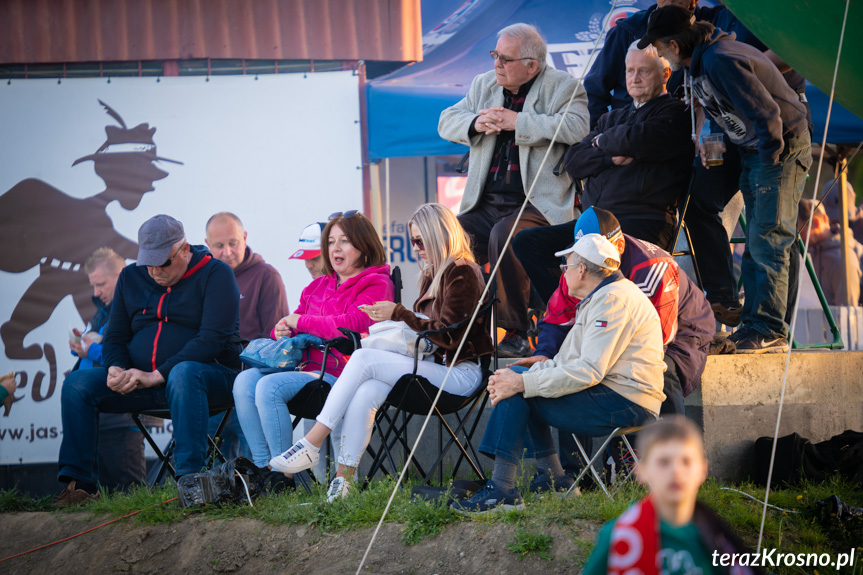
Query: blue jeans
<point x="518" y="424"/>
<point x="262" y="405"/>
<point x="190" y="389"/>
<point x="771" y="194"/>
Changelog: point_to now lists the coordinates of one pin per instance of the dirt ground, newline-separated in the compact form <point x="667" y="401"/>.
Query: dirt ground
<point x="198" y="545"/>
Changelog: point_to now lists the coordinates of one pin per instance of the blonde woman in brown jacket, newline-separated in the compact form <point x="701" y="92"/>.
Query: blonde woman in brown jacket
<point x="450" y="287"/>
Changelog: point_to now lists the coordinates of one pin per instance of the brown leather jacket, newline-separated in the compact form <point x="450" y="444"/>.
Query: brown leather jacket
<point x="460" y="289"/>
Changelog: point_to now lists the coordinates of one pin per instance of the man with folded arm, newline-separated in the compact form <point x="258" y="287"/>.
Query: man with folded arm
<point x="608" y="374"/>
<point x="172" y="342"/>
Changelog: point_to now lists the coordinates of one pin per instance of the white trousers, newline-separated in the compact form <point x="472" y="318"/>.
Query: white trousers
<point x="364" y="385"/>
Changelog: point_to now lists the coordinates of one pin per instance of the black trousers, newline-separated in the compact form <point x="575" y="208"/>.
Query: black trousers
<point x="488" y="227"/>
<point x="535" y="248"/>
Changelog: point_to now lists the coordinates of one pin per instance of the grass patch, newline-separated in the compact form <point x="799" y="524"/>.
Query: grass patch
<point x="801" y="532"/>
<point x="529" y="543"/>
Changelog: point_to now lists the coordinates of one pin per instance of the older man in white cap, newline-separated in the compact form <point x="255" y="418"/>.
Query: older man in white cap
<point x="608" y="374"/>
<point x="172" y="341"/>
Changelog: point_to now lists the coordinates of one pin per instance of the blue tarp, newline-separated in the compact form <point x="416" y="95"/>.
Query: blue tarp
<point x="404" y="106"/>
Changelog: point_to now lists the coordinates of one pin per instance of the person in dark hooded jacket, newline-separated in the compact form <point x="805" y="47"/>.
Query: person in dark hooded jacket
<point x="172" y="341"/>
<point x="746" y="96"/>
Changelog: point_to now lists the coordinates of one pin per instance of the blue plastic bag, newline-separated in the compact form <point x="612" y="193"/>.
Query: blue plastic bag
<point x="283" y="354"/>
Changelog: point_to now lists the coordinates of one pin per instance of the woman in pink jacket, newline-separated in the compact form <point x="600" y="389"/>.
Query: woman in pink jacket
<point x="355" y="275"/>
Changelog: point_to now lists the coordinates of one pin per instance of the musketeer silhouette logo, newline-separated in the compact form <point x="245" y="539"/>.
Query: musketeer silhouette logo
<point x="41" y="225"/>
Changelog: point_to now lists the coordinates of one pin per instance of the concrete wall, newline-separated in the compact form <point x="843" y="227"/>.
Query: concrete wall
<point x="739" y="398"/>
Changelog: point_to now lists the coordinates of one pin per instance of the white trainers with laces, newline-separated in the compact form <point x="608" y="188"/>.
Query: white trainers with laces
<point x="339" y="489"/>
<point x="298" y="458"/>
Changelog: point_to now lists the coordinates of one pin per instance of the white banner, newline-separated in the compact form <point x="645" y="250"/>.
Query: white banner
<point x="280" y="151"/>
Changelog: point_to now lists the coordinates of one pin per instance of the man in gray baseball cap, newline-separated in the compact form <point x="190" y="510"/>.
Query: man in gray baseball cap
<point x="172" y="340"/>
<point x="612" y="358"/>
<point x="156" y="239"/>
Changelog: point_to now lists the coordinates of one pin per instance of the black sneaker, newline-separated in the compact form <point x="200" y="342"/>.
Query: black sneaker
<point x="748" y="340"/>
<point x="542" y="483"/>
<point x="275" y="482"/>
<point x="488" y="499"/>
<point x="513" y="345"/>
<point x="727" y="312"/>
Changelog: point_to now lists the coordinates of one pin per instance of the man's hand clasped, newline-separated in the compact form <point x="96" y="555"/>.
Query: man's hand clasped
<point x="495" y="120"/>
<point x="503" y="384"/>
<point x="125" y="381"/>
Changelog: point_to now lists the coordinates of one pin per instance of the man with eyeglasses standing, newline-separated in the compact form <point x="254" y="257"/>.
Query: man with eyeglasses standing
<point x="508" y="119"/>
<point x="172" y="341"/>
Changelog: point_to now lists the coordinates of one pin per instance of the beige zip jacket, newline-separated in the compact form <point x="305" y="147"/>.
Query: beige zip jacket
<point x="543" y="110"/>
<point x="616" y="341"/>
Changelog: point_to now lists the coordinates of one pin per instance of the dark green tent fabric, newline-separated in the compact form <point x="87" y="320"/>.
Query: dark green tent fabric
<point x="806" y="35"/>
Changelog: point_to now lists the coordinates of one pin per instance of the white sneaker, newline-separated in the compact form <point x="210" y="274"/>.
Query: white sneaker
<point x="339" y="489"/>
<point x="298" y="458"/>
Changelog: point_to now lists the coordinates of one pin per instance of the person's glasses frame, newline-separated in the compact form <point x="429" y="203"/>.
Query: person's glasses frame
<point x="171" y="259"/>
<point x="564" y="267"/>
<point x="418" y="244"/>
<point x="495" y="55"/>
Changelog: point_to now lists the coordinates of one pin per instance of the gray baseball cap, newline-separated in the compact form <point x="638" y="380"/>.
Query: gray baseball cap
<point x="156" y="239"/>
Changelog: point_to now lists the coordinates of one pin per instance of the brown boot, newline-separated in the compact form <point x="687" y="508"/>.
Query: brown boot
<point x="72" y="496"/>
<point x="727" y="313"/>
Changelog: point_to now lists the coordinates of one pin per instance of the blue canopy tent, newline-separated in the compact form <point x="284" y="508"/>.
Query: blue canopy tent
<point x="404" y="106"/>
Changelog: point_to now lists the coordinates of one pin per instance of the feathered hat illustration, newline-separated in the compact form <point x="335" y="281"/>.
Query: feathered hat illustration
<point x="122" y="140"/>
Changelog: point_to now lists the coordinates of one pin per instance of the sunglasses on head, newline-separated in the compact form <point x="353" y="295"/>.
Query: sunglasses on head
<point x="171" y="259"/>
<point x="418" y="244"/>
<point x="345" y="215"/>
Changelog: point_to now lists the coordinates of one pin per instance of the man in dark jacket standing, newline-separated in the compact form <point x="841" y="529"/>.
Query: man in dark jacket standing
<point x="172" y="341"/>
<point x="262" y="293"/>
<point x="746" y="96"/>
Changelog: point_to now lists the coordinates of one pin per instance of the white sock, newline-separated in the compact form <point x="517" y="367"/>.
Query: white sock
<point x="308" y="444"/>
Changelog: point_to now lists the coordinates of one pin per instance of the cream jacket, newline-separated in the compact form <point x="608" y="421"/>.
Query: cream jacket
<point x="554" y="196"/>
<point x="616" y="341"/>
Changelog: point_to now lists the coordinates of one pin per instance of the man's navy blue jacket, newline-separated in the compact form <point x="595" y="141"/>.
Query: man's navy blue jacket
<point x="657" y="136"/>
<point x="744" y="93"/>
<point x="152" y="327"/>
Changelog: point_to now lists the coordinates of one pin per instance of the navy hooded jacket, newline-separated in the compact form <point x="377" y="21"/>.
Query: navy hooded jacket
<point x="605" y="83"/>
<point x="153" y="328"/>
<point x="745" y="94"/>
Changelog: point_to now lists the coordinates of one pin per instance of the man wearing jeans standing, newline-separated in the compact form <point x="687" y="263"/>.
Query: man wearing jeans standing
<point x="607" y="374"/>
<point x="172" y="341"/>
<point x="746" y="96"/>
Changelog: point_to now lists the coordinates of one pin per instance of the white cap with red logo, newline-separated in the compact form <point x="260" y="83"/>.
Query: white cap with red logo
<point x="310" y="243"/>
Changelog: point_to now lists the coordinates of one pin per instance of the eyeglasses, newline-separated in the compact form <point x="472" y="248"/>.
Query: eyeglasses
<point x="171" y="259"/>
<point x="345" y="215"/>
<point x="418" y="244"/>
<point x="495" y="55"/>
<point x="564" y="267"/>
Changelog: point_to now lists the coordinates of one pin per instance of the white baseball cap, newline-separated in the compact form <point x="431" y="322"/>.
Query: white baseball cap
<point x="596" y="249"/>
<point x="310" y="243"/>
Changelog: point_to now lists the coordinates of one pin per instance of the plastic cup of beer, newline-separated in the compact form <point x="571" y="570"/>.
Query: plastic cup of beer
<point x="713" y="146"/>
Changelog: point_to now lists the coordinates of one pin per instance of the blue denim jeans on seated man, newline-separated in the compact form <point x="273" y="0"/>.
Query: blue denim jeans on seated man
<point x="771" y="194"/>
<point x="521" y="427"/>
<point x="189" y="391"/>
<point x="262" y="406"/>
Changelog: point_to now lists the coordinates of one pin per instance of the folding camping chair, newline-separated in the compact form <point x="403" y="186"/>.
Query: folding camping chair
<point x="620" y="432"/>
<point x="413" y="395"/>
<point x="165" y="465"/>
<point x="310" y="400"/>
